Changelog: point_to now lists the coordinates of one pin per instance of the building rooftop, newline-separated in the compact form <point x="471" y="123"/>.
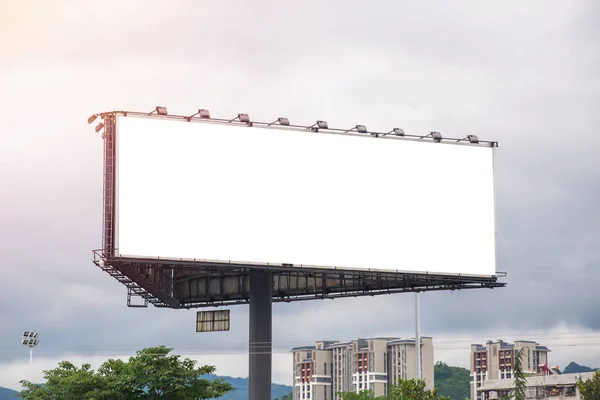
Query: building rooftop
<point x="537" y="380"/>
<point x="506" y="345"/>
<point x="362" y="343"/>
<point x="304" y="348"/>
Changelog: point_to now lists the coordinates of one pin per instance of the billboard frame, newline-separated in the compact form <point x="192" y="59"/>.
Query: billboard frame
<point x="159" y="281"/>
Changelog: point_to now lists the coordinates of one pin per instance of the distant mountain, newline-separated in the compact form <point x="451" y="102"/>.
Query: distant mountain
<point x="7" y="394"/>
<point x="452" y="381"/>
<point x="241" y="385"/>
<point x="574" y="368"/>
<point x="241" y="392"/>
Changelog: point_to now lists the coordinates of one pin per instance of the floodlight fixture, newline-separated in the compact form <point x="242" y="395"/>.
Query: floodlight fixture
<point x="357" y="128"/>
<point x="30" y="339"/>
<point x="92" y="118"/>
<point x="99" y="127"/>
<point x="319" y="125"/>
<point x="160" y="110"/>
<point x="242" y="118"/>
<point x="202" y="113"/>
<point x="361" y="129"/>
<point x="281" y="121"/>
<point x="398" y="132"/>
<point x="473" y="138"/>
<point x="434" y="135"/>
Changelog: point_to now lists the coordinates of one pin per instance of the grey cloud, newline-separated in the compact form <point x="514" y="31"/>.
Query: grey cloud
<point x="524" y="75"/>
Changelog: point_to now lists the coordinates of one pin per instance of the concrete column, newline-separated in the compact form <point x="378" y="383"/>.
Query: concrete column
<point x="260" y="336"/>
<point x="418" y="337"/>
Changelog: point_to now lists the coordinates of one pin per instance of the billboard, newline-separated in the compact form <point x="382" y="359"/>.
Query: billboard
<point x="231" y="193"/>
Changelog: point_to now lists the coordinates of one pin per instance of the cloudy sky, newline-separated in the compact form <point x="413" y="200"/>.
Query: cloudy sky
<point x="524" y="73"/>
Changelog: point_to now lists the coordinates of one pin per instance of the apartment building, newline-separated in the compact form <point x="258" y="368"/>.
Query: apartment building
<point x="329" y="367"/>
<point x="495" y="361"/>
<point x="541" y="387"/>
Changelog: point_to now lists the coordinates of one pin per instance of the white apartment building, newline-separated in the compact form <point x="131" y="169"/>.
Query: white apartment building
<point x="330" y="367"/>
<point x="539" y="387"/>
<point x="495" y="361"/>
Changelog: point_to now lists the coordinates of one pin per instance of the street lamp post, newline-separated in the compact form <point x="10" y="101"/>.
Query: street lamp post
<point x="30" y="339"/>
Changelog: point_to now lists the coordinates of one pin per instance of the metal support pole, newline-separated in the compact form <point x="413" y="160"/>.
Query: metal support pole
<point x="30" y="362"/>
<point x="417" y="337"/>
<point x="260" y="336"/>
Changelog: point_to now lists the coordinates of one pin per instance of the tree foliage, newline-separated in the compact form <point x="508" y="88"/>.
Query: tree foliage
<point x="362" y="395"/>
<point x="413" y="390"/>
<point x="452" y="382"/>
<point x="518" y="392"/>
<point x="152" y="374"/>
<point x="404" y="390"/>
<point x="590" y="389"/>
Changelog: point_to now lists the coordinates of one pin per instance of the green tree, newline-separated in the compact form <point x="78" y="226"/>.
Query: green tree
<point x="518" y="392"/>
<point x="413" y="390"/>
<point x="152" y="374"/>
<point x="362" y="395"/>
<point x="405" y="390"/>
<point x="286" y="397"/>
<point x="590" y="389"/>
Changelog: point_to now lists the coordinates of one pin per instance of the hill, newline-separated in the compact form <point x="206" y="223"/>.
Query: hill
<point x="452" y="381"/>
<point x="241" y="392"/>
<point x="241" y="385"/>
<point x="574" y="368"/>
<point x="6" y="394"/>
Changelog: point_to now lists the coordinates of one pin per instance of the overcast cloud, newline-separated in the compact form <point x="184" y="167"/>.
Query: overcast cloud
<point x="522" y="73"/>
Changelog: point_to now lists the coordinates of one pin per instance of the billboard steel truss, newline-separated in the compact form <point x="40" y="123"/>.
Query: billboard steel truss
<point x="194" y="284"/>
<point x="189" y="284"/>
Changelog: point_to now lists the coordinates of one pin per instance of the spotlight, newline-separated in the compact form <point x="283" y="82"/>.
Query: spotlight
<point x="161" y="110"/>
<point x="473" y="138"/>
<point x="243" y="118"/>
<point x="436" y="136"/>
<point x="99" y="127"/>
<point x="281" y="121"/>
<point x="361" y="128"/>
<point x="202" y="113"/>
<point x="92" y="118"/>
<point x="398" y="132"/>
<point x="319" y="125"/>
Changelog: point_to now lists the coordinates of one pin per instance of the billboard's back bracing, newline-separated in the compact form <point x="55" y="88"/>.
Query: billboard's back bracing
<point x="230" y="193"/>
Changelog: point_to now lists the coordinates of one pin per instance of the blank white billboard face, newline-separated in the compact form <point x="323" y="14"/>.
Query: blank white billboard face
<point x="208" y="191"/>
